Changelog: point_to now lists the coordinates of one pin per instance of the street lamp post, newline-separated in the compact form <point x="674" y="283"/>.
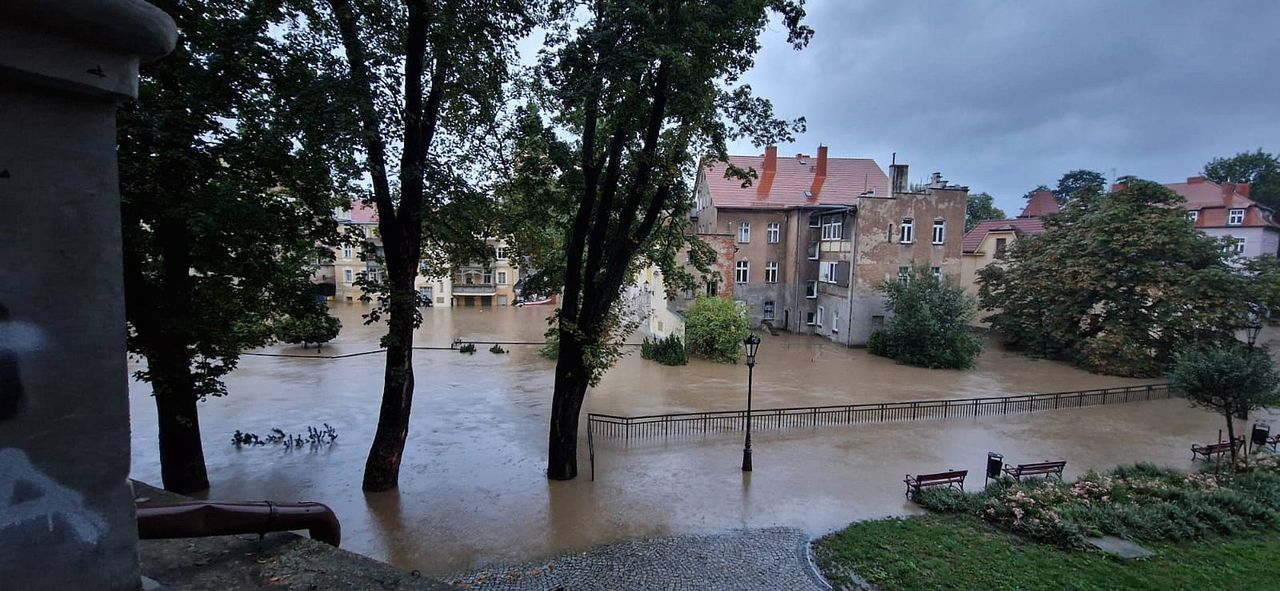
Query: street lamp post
<point x="1253" y="326"/>
<point x="751" y="344"/>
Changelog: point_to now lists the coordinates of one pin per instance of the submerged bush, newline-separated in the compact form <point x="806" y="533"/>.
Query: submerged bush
<point x="667" y="351"/>
<point x="715" y="329"/>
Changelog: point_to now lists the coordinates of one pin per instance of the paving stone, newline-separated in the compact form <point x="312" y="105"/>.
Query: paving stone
<point x="772" y="559"/>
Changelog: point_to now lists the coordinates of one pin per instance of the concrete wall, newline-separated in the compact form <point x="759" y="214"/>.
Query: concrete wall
<point x="66" y="509"/>
<point x="1257" y="241"/>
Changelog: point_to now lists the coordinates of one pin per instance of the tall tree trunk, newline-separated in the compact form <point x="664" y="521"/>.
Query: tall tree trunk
<point x="572" y="378"/>
<point x="182" y="466"/>
<point x="382" y="469"/>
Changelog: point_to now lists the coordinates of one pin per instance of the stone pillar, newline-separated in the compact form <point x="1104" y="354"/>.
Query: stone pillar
<point x="66" y="511"/>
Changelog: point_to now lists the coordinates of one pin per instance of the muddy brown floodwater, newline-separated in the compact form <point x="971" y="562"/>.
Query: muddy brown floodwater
<point x="472" y="487"/>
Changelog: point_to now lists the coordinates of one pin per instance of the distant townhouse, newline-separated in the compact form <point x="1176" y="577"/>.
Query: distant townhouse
<point x="336" y="274"/>
<point x="815" y="238"/>
<point x="988" y="240"/>
<point x="1225" y="210"/>
<point x="491" y="282"/>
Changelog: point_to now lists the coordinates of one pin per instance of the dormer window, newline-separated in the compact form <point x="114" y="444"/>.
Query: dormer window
<point x="1193" y="215"/>
<point x="1235" y="217"/>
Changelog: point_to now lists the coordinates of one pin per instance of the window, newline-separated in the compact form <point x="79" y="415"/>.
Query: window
<point x="771" y="272"/>
<point x="346" y="252"/>
<point x="486" y="276"/>
<point x="813" y="251"/>
<point x="821" y="312"/>
<point x="713" y="288"/>
<point x="808" y="318"/>
<point x="832" y="227"/>
<point x="775" y="232"/>
<point x="937" y="273"/>
<point x="815" y="221"/>
<point x="811" y="289"/>
<point x="768" y="310"/>
<point x="347" y="276"/>
<point x="1193" y="215"/>
<point x="1238" y="247"/>
<point x="908" y="233"/>
<point x="500" y="252"/>
<point x="827" y="272"/>
<point x="835" y="321"/>
<point x="1001" y="244"/>
<point x="889" y="237"/>
<point x="741" y="271"/>
<point x="744" y="232"/>
<point x="502" y="277"/>
<point x="1235" y="217"/>
<point x="939" y="231"/>
<point x="904" y="274"/>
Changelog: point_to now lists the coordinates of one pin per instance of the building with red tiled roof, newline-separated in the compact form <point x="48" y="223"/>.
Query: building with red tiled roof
<point x="816" y="236"/>
<point x="989" y="239"/>
<point x="1225" y="210"/>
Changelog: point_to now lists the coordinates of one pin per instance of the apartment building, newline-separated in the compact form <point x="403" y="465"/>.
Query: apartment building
<point x="336" y="273"/>
<point x="815" y="238"/>
<point x="989" y="240"/>
<point x="1225" y="210"/>
<point x="490" y="282"/>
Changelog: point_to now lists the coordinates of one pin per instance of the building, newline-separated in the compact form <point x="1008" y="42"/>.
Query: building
<point x="487" y="283"/>
<point x="1225" y="210"/>
<point x="814" y="239"/>
<point x="337" y="273"/>
<point x="989" y="239"/>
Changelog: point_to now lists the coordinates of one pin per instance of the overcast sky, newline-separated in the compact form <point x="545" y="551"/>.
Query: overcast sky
<point x="1003" y="95"/>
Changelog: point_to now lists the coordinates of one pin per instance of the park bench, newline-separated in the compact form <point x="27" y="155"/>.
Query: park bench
<point x="949" y="479"/>
<point x="1045" y="469"/>
<point x="1214" y="450"/>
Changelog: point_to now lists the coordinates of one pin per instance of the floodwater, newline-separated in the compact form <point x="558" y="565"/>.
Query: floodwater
<point x="472" y="487"/>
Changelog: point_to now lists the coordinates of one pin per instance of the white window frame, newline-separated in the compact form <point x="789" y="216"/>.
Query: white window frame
<point x="744" y="232"/>
<point x="502" y="277"/>
<point x="835" y="321"/>
<point x="770" y="310"/>
<point x="348" y="276"/>
<point x="939" y="231"/>
<point x="1235" y="217"/>
<point x="821" y="312"/>
<point x="346" y="253"/>
<point x="774" y="233"/>
<point x="827" y="271"/>
<point x="832" y="228"/>
<point x="486" y="277"/>
<point x="937" y="273"/>
<point x="814" y="249"/>
<point x="1238" y="247"/>
<point x="904" y="274"/>
<point x="500" y="253"/>
<point x="808" y="321"/>
<point x="811" y="289"/>
<point x="742" y="272"/>
<point x="1193" y="215"/>
<point x="771" y="272"/>
<point x="907" y="231"/>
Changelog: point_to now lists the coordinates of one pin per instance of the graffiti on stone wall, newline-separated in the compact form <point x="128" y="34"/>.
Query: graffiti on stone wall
<point x="27" y="494"/>
<point x="15" y="337"/>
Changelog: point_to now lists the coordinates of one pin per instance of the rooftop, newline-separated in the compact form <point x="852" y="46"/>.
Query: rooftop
<point x="790" y="181"/>
<point x="1213" y="200"/>
<point x="1022" y="225"/>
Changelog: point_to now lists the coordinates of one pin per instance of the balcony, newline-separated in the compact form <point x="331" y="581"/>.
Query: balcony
<point x="480" y="289"/>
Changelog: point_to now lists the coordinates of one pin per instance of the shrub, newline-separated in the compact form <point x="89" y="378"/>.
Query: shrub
<point x="715" y="329"/>
<point x="949" y="500"/>
<point x="551" y="348"/>
<point x="467" y="348"/>
<point x="318" y="328"/>
<point x="497" y="349"/>
<point x="878" y="344"/>
<point x="667" y="351"/>
<point x="928" y="323"/>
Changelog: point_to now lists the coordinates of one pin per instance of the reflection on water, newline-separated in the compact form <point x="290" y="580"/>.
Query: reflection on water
<point x="473" y="491"/>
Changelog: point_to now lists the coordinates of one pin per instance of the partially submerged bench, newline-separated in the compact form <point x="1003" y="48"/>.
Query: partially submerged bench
<point x="1045" y="469"/>
<point x="1215" y="450"/>
<point x="949" y="479"/>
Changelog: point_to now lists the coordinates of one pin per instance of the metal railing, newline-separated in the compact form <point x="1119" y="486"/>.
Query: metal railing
<point x="698" y="423"/>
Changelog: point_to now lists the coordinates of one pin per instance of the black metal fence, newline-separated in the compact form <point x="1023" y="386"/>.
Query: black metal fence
<point x="697" y="423"/>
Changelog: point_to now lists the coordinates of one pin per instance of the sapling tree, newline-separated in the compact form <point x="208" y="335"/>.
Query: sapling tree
<point x="1230" y="381"/>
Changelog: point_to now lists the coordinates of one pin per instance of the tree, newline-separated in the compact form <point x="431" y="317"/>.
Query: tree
<point x="1230" y="381"/>
<point x="227" y="181"/>
<point x="318" y="328"/>
<point x="928" y="323"/>
<point x="981" y="207"/>
<point x="642" y="88"/>
<point x="1073" y="183"/>
<point x="426" y="77"/>
<point x="715" y="327"/>
<point x="1116" y="284"/>
<point x="1260" y="169"/>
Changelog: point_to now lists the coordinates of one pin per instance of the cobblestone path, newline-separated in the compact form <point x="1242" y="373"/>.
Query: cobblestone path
<point x="773" y="559"/>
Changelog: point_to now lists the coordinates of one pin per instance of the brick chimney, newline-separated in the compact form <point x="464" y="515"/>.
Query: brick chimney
<point x="1195" y="180"/>
<point x="769" y="169"/>
<point x="1243" y="189"/>
<point x="1228" y="191"/>
<point x="819" y="171"/>
<point x="898" y="178"/>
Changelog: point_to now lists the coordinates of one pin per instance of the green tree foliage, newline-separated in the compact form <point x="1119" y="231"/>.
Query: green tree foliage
<point x="1116" y="284"/>
<point x="1263" y="281"/>
<point x="714" y="328"/>
<point x="642" y="90"/>
<point x="981" y="207"/>
<point x="229" y="166"/>
<point x="667" y="351"/>
<point x="928" y="323"/>
<point x="1227" y="380"/>
<point x="318" y="328"/>
<point x="1260" y="169"/>
<point x="428" y="78"/>
<point x="1027" y="196"/>
<point x="1076" y="181"/>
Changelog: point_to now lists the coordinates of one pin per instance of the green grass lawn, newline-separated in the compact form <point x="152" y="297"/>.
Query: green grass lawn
<point x="962" y="552"/>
